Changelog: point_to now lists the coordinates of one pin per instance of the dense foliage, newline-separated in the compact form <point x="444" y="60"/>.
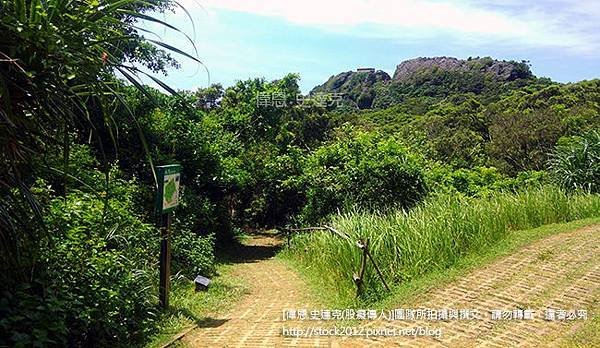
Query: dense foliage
<point x="362" y="172"/>
<point x="78" y="254"/>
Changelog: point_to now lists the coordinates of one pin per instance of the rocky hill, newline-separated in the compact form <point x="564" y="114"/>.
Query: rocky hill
<point x="357" y="86"/>
<point x="432" y="77"/>
<point x="498" y="70"/>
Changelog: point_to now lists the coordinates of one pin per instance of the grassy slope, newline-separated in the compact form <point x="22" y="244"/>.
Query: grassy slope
<point x="407" y="292"/>
<point x="434" y="236"/>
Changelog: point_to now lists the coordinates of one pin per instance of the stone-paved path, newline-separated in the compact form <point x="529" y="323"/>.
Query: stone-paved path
<point x="559" y="272"/>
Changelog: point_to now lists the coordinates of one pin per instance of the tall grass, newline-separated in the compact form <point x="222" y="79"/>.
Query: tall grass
<point x="431" y="236"/>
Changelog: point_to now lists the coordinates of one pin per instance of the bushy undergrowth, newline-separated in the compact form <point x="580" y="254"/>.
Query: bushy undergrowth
<point x="479" y="181"/>
<point x="96" y="281"/>
<point x="193" y="254"/>
<point x="433" y="235"/>
<point x="100" y="270"/>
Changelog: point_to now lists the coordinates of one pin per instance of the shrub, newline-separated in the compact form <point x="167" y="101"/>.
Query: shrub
<point x="472" y="182"/>
<point x="575" y="163"/>
<point x="479" y="181"/>
<point x="108" y="284"/>
<point x="31" y="317"/>
<point x="98" y="271"/>
<point x="193" y="254"/>
<point x="362" y="171"/>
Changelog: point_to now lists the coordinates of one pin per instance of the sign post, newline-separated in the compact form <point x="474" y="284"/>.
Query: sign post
<point x="167" y="199"/>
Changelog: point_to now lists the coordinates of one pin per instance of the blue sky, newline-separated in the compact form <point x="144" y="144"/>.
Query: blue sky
<point x="241" y="39"/>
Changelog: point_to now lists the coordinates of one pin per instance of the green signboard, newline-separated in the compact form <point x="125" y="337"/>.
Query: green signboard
<point x="167" y="197"/>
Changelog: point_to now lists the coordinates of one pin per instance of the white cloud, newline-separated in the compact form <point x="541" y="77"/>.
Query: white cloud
<point x="527" y="24"/>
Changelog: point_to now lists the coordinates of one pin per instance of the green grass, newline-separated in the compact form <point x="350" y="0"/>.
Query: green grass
<point x="189" y="307"/>
<point x="443" y="233"/>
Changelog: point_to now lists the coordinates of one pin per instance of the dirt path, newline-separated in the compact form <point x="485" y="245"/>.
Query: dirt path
<point x="560" y="272"/>
<point x="256" y="320"/>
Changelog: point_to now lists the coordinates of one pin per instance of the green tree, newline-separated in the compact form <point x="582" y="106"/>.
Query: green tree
<point x="362" y="171"/>
<point x="57" y="80"/>
<point x="456" y="132"/>
<point x="522" y="141"/>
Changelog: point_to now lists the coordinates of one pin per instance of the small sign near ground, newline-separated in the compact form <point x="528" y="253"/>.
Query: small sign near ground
<point x="201" y="283"/>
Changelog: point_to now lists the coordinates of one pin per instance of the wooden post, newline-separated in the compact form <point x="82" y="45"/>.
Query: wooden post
<point x="358" y="279"/>
<point x="377" y="268"/>
<point x="167" y="198"/>
<point x="288" y="236"/>
<point x="165" y="263"/>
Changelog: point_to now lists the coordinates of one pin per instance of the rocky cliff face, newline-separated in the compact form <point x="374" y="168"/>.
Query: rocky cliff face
<point x="499" y="70"/>
<point x="357" y="87"/>
<point x="351" y="80"/>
